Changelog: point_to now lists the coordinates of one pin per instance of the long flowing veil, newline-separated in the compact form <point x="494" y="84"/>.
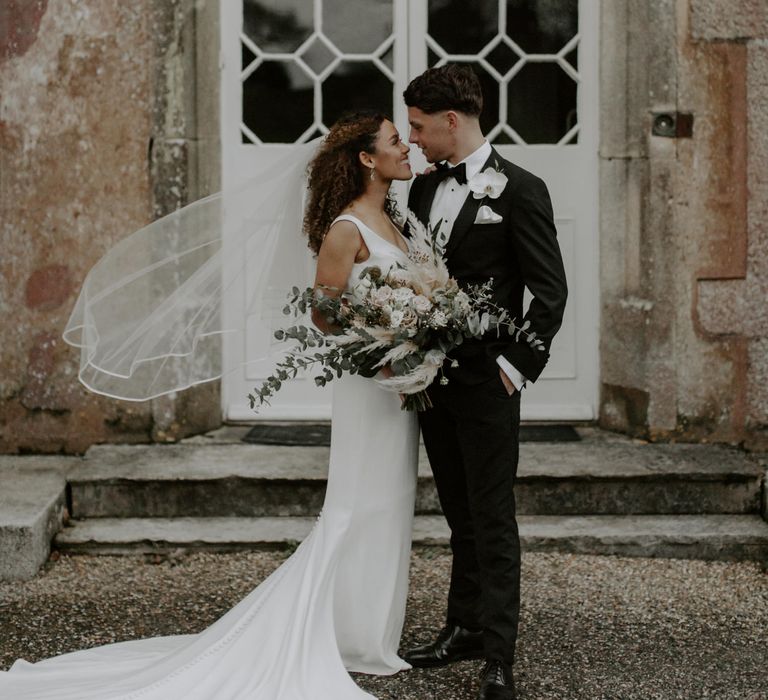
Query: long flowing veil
<point x="149" y="318"/>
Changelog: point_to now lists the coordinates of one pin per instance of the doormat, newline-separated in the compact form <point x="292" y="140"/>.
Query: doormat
<point x="319" y="434"/>
<point x="548" y="432"/>
<point x="294" y="434"/>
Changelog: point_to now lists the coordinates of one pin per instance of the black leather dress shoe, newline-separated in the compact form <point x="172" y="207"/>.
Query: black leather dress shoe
<point x="454" y="643"/>
<point x="497" y="682"/>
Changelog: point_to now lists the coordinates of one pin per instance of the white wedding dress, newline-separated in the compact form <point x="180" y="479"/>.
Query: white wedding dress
<point x="336" y="605"/>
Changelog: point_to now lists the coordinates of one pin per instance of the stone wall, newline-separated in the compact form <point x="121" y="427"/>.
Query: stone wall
<point x="98" y="134"/>
<point x="684" y="246"/>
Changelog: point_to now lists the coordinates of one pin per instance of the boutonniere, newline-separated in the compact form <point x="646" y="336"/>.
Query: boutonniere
<point x="488" y="183"/>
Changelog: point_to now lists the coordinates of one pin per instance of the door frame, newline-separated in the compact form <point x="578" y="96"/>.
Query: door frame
<point x="411" y="19"/>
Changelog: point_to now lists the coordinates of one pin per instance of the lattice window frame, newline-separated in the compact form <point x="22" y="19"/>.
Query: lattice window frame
<point x="525" y="58"/>
<point x="375" y="57"/>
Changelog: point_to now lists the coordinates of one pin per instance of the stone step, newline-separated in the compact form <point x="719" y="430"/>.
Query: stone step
<point x="725" y="537"/>
<point x="602" y="474"/>
<point x="32" y="510"/>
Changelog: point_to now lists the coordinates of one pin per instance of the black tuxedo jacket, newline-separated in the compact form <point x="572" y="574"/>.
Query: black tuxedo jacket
<point x="518" y="252"/>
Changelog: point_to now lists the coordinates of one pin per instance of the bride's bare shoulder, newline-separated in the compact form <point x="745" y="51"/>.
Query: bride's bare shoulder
<point x="343" y="228"/>
<point x="343" y="235"/>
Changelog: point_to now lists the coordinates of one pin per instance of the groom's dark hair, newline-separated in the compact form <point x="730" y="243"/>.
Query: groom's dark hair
<point x="454" y="86"/>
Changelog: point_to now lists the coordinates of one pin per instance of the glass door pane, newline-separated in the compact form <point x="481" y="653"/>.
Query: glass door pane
<point x="306" y="62"/>
<point x="526" y="55"/>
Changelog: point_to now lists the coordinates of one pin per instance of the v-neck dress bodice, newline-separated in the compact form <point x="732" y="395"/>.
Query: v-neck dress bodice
<point x="383" y="253"/>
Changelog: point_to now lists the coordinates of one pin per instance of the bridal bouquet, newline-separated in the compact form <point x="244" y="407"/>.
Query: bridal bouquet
<point x="408" y="319"/>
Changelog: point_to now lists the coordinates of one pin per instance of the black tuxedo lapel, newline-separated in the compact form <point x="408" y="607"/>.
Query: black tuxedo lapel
<point x="467" y="214"/>
<point x="426" y="199"/>
<point x="463" y="222"/>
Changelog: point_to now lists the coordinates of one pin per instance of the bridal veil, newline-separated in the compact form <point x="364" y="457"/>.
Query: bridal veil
<point x="149" y="319"/>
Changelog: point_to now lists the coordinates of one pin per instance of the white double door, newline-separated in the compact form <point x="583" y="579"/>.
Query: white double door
<point x="290" y="67"/>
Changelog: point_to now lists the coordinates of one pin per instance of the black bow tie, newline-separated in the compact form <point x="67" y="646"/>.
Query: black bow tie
<point x="459" y="173"/>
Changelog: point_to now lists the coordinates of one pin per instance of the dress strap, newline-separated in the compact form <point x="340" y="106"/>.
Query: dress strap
<point x="365" y="231"/>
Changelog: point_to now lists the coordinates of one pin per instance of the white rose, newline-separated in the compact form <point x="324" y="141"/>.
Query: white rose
<point x="402" y="294"/>
<point x="489" y="183"/>
<point x="395" y="319"/>
<point x="421" y="304"/>
<point x="462" y="301"/>
<point x="381" y="295"/>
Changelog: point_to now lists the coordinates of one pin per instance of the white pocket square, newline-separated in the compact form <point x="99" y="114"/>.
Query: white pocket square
<point x="486" y="215"/>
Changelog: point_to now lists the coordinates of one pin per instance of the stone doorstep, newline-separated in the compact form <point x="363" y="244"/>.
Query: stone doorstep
<point x="596" y="456"/>
<point x="32" y="511"/>
<point x="722" y="537"/>
<point x="603" y="474"/>
<point x="666" y="494"/>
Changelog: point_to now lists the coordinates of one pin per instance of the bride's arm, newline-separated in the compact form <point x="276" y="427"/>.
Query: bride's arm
<point x="341" y="245"/>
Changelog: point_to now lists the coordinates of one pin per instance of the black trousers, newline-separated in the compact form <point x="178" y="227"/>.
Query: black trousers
<point x="471" y="437"/>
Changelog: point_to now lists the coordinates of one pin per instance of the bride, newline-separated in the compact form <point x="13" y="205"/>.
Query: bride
<point x="338" y="603"/>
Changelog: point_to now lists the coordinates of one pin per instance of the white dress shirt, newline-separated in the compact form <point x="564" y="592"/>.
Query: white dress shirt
<point x="449" y="198"/>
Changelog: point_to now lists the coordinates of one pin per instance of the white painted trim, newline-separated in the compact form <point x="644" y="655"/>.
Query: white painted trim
<point x="554" y="412"/>
<point x="231" y="107"/>
<point x="243" y="412"/>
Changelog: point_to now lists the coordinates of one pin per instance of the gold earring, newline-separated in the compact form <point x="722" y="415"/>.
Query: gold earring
<point x="373" y="171"/>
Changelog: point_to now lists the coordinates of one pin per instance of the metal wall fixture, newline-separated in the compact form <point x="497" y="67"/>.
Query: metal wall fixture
<point x="672" y="125"/>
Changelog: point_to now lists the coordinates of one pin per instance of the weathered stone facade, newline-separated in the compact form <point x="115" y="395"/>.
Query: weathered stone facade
<point x="109" y="118"/>
<point x="97" y="135"/>
<point x="683" y="221"/>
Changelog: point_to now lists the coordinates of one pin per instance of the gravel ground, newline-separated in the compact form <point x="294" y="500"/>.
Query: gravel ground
<point x="591" y="627"/>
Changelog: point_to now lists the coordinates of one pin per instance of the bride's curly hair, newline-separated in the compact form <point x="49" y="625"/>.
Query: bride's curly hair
<point x="336" y="177"/>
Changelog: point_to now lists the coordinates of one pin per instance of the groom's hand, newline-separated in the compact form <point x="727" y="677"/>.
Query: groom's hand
<point x="508" y="385"/>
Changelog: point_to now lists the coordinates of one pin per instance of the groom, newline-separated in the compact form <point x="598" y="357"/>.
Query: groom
<point x="506" y="233"/>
